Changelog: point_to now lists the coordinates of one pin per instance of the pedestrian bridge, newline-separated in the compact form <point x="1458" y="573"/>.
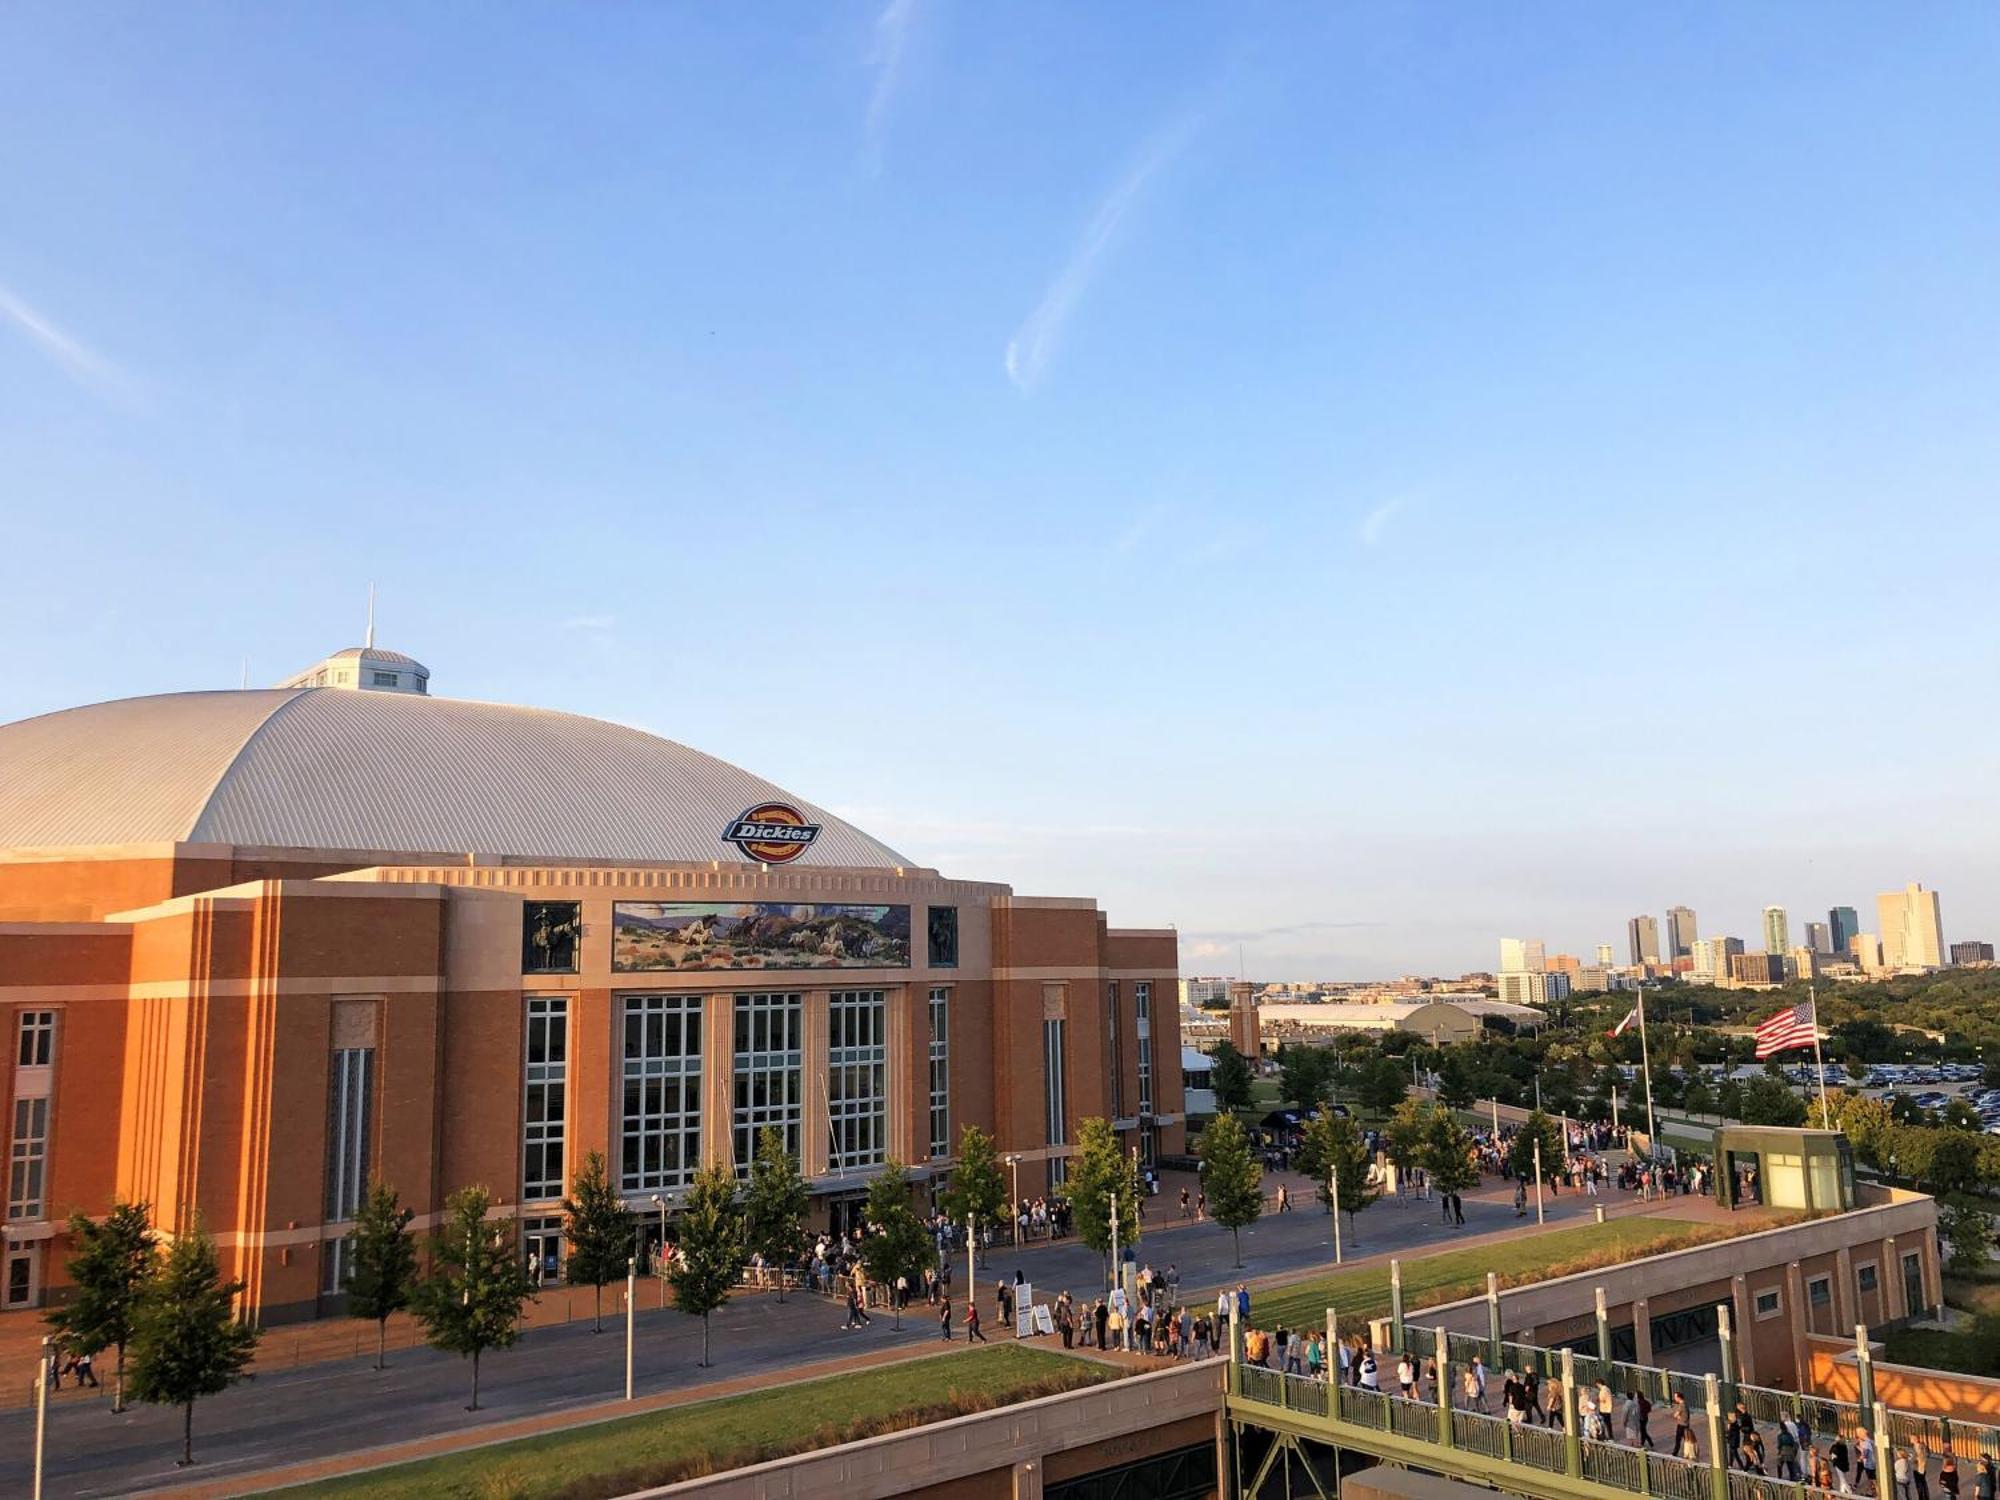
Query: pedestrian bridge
<point x="1286" y="1423"/>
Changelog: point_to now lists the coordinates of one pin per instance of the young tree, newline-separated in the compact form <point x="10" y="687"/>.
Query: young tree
<point x="1968" y="1232"/>
<point x="1231" y="1077"/>
<point x="1231" y="1177"/>
<point x="1455" y="1088"/>
<point x="472" y="1300"/>
<point x="710" y="1254"/>
<point x="186" y="1340"/>
<point x="977" y="1190"/>
<point x="1100" y="1168"/>
<point x="1404" y="1135"/>
<point x="598" y="1227"/>
<point x="1521" y="1151"/>
<point x="1384" y="1082"/>
<point x="1765" y="1100"/>
<point x="1334" y="1149"/>
<point x="382" y="1263"/>
<point x="113" y="1262"/>
<point x="1696" y="1097"/>
<point x="1305" y="1074"/>
<point x="897" y="1245"/>
<point x="1447" y="1154"/>
<point x="774" y="1206"/>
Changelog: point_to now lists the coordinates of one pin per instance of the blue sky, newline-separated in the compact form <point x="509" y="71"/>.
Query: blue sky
<point x="1347" y="481"/>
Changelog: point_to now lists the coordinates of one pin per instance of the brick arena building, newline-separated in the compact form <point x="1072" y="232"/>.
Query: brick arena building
<point x="260" y="947"/>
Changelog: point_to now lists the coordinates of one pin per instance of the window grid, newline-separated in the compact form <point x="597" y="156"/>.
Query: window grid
<point x="856" y="1091"/>
<point x="940" y="1060"/>
<point x="769" y="1072"/>
<point x="660" y="1129"/>
<point x="1055" y="1096"/>
<point x="38" y="1038"/>
<point x="28" y="1159"/>
<point x="1142" y="1004"/>
<point x="543" y="1112"/>
<point x="350" y="1088"/>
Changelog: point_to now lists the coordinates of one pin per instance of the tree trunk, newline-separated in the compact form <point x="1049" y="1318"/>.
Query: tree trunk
<point x="118" y="1393"/>
<point x="187" y="1435"/>
<point x="381" y="1341"/>
<point x="597" y="1312"/>
<point x="704" y="1341"/>
<point x="1237" y="1236"/>
<point x="475" y="1382"/>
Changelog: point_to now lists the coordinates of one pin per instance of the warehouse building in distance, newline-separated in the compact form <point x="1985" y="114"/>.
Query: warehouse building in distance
<point x="260" y="947"/>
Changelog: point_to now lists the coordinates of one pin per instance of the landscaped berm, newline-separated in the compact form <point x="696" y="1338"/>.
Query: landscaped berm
<point x="632" y="1453"/>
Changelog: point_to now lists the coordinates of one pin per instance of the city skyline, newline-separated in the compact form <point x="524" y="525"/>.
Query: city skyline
<point x="1188" y="441"/>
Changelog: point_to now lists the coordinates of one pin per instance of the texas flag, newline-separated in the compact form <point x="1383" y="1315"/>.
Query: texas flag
<point x="1619" y="1029"/>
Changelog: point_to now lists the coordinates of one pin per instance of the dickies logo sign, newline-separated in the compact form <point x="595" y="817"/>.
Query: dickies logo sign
<point x="772" y="833"/>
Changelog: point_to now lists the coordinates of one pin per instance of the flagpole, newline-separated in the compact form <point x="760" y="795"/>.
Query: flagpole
<point x="1646" y="1067"/>
<point x="1825" y="1116"/>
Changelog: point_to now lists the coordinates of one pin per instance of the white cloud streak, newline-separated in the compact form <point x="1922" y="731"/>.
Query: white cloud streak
<point x="892" y="40"/>
<point x="1035" y="343"/>
<point x="1377" y="521"/>
<point x="68" y="353"/>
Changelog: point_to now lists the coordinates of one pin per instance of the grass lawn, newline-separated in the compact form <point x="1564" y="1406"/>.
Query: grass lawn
<point x="1972" y="1352"/>
<point x="614" y="1458"/>
<point x="1452" y="1274"/>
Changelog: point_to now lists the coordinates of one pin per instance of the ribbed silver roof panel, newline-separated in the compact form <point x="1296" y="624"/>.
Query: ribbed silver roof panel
<point x="323" y="768"/>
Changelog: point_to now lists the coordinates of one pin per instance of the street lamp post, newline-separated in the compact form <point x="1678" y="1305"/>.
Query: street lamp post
<point x="1537" y="1143"/>
<point x="41" y="1413"/>
<point x="660" y="1253"/>
<point x="1014" y="1202"/>
<point x="1333" y="1192"/>
<point x="631" y="1309"/>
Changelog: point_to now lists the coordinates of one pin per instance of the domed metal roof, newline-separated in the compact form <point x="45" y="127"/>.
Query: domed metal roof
<point x="320" y="768"/>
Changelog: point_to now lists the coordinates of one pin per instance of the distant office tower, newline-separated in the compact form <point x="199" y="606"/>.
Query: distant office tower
<point x="1643" y="933"/>
<point x="1680" y="932"/>
<point x="1565" y="963"/>
<point x="1533" y="988"/>
<point x="1846" y="926"/>
<point x="1819" y="937"/>
<point x="1777" y="930"/>
<point x="1604" y="959"/>
<point x="1867" y="951"/>
<point x="1537" y="956"/>
<point x="1757" y="968"/>
<point x="1972" y="953"/>
<point x="1912" y="928"/>
<point x="1711" y="959"/>
<point x="1520" y="955"/>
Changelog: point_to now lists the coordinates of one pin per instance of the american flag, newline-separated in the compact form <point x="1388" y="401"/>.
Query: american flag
<point x="1796" y="1027"/>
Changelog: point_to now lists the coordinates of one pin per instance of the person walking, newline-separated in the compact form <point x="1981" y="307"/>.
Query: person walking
<point x="1865" y="1460"/>
<point x="857" y="1316"/>
<point x="1103" y="1321"/>
<point x="1899" y="1473"/>
<point x="1984" y="1481"/>
<point x="944" y="1319"/>
<point x="972" y="1329"/>
<point x="1681" y="1428"/>
<point x="1837" y="1459"/>
<point x="1948" y="1476"/>
<point x="1371" y="1374"/>
<point x="1475" y="1385"/>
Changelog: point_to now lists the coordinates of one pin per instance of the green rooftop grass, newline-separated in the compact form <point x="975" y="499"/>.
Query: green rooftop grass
<point x="614" y="1458"/>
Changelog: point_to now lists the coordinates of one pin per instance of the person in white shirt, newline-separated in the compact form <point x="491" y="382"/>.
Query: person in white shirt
<point x="1371" y="1378"/>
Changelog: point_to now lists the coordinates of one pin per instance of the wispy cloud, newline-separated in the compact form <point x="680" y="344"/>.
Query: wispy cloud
<point x="1296" y="929"/>
<point x="592" y="623"/>
<point x="1377" y="521"/>
<point x="65" y="350"/>
<point x="1035" y="343"/>
<point x="886" y="57"/>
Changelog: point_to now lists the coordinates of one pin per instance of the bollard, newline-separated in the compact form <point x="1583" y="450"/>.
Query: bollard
<point x="1442" y="1362"/>
<point x="1396" y="1304"/>
<point x="1864" y="1371"/>
<point x="1718" y="1470"/>
<point x="1493" y="1361"/>
<point x="1600" y="1213"/>
<point x="1572" y="1440"/>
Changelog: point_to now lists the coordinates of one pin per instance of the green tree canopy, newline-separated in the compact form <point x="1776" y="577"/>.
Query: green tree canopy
<point x="775" y="1205"/>
<point x="1383" y="1085"/>
<point x="1448" y="1154"/>
<point x="1305" y="1075"/>
<point x="896" y="1245"/>
<point x="1231" y="1078"/>
<point x="599" y="1230"/>
<point x="1332" y="1147"/>
<point x="977" y="1191"/>
<point x="1403" y="1137"/>
<point x="709" y="1255"/>
<point x="1765" y="1100"/>
<point x="186" y="1340"/>
<point x="1231" y="1177"/>
<point x="1521" y="1150"/>
<point x="473" y="1297"/>
<point x="1454" y="1081"/>
<point x="1100" y="1168"/>
<point x="381" y="1263"/>
<point x="114" y="1260"/>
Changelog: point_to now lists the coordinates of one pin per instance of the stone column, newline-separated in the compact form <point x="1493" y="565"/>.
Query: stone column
<point x="1796" y="1310"/>
<point x="1642" y="1332"/>
<point x="900" y="1037"/>
<point x="1846" y="1303"/>
<point x="1894" y="1304"/>
<point x="718" y="1080"/>
<point x="1746" y="1331"/>
<point x="1028" y="1479"/>
<point x="813" y="1128"/>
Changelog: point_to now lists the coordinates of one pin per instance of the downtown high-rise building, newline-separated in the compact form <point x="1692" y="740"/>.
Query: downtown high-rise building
<point x="1680" y="932"/>
<point x="1819" y="937"/>
<point x="1845" y="927"/>
<point x="1643" y="935"/>
<point x="1777" y="930"/>
<point x="1711" y="959"/>
<point x="1523" y="956"/>
<point x="1604" y="958"/>
<point x="1912" y="928"/>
